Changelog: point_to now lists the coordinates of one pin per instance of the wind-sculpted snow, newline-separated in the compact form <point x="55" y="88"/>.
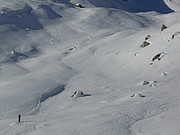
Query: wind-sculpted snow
<point x="117" y="20"/>
<point x="20" y="24"/>
<point x="44" y="97"/>
<point x="96" y="50"/>
<point x="50" y="13"/>
<point x="52" y="93"/>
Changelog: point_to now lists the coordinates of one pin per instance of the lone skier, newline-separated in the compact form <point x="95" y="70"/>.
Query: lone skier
<point x="19" y="118"/>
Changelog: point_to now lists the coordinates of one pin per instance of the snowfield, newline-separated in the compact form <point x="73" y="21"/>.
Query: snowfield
<point x="105" y="69"/>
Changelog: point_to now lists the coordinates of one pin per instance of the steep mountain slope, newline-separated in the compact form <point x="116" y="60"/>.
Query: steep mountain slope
<point x="50" y="49"/>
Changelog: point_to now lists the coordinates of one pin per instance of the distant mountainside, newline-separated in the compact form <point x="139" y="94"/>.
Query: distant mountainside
<point x="129" y="5"/>
<point x="20" y="16"/>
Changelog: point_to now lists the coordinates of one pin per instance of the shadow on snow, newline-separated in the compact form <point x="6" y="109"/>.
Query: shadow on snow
<point x="52" y="93"/>
<point x="22" y="19"/>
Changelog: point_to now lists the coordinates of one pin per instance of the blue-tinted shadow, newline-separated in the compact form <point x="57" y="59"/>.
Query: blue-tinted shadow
<point x="22" y="19"/>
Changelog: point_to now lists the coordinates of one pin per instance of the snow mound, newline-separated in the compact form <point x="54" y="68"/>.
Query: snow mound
<point x="164" y="73"/>
<point x="137" y="95"/>
<point x="149" y="83"/>
<point x="144" y="83"/>
<point x="153" y="83"/>
<point x="78" y="94"/>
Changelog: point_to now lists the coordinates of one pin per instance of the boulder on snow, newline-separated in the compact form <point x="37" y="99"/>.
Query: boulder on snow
<point x="145" y="43"/>
<point x="175" y="34"/>
<point x="157" y="57"/>
<point x="78" y="94"/>
<point x="79" y="5"/>
<point x="147" y="37"/>
<point x="163" y="27"/>
<point x="144" y="83"/>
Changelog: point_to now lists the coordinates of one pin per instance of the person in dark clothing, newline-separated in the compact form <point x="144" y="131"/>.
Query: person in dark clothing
<point x="19" y="118"/>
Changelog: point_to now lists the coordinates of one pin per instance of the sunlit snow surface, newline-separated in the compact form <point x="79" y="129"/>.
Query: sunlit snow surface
<point x="51" y="49"/>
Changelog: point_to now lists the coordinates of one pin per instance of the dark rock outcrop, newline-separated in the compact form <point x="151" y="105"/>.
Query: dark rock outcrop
<point x="163" y="27"/>
<point x="145" y="44"/>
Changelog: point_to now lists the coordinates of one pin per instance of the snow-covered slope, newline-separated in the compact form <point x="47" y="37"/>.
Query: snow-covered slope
<point x="173" y="4"/>
<point x="50" y="49"/>
<point x="129" y="5"/>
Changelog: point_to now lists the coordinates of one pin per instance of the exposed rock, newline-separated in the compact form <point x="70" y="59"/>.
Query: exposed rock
<point x="157" y="57"/>
<point x="16" y="56"/>
<point x="137" y="95"/>
<point x="164" y="73"/>
<point x="145" y="44"/>
<point x="78" y="94"/>
<point x="148" y="83"/>
<point x="175" y="34"/>
<point x="144" y="83"/>
<point x="147" y="37"/>
<point x="79" y="5"/>
<point x="163" y="27"/>
<point x="136" y="53"/>
<point x="153" y="83"/>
